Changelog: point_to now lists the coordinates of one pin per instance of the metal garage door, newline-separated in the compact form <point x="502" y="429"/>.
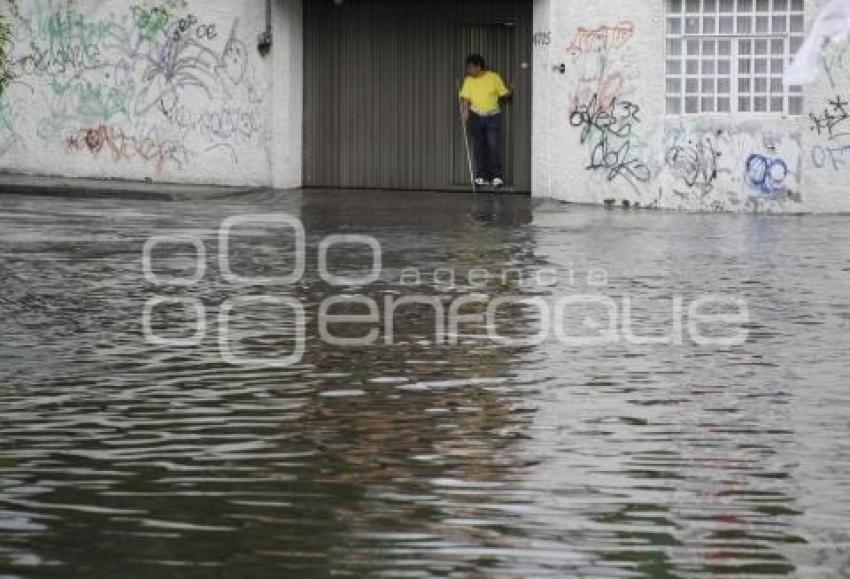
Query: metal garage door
<point x="381" y="81"/>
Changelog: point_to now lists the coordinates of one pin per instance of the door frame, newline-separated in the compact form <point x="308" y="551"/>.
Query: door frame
<point x="510" y="116"/>
<point x="517" y="14"/>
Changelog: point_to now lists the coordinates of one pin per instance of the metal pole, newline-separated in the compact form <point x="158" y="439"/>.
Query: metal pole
<point x="469" y="157"/>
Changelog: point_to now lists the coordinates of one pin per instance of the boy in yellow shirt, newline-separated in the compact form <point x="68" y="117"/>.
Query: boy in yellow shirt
<point x="480" y="109"/>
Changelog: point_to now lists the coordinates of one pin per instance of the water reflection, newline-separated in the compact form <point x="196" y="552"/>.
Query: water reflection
<point x="419" y="458"/>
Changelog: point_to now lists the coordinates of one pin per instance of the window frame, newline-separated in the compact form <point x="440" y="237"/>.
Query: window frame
<point x="712" y="24"/>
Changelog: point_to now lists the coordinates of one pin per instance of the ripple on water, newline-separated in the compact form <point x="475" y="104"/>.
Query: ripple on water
<point x="416" y="459"/>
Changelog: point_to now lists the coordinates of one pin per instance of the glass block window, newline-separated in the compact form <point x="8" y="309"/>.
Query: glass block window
<point x="729" y="56"/>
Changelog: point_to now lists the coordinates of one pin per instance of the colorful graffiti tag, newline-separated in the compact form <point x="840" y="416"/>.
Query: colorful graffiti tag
<point x="156" y="85"/>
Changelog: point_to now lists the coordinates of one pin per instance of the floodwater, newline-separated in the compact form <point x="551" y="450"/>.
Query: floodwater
<point x="468" y="458"/>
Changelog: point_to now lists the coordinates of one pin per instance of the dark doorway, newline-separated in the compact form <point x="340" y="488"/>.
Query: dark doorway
<point x="381" y="82"/>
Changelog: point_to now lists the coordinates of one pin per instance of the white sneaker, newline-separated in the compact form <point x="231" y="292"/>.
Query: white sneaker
<point x="498" y="182"/>
<point x="480" y="181"/>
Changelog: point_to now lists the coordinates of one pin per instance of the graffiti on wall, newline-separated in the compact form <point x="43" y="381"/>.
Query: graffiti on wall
<point x="123" y="147"/>
<point x="608" y="134"/>
<point x="832" y="125"/>
<point x="603" y="67"/>
<point x="62" y="44"/>
<point x="9" y="137"/>
<point x="601" y="38"/>
<point x="832" y="122"/>
<point x="730" y="167"/>
<point x="8" y="134"/>
<point x="836" y="62"/>
<point x="767" y="174"/>
<point x="695" y="163"/>
<point x="690" y="163"/>
<point x="151" y="83"/>
<point x="830" y="157"/>
<point x="6" y="46"/>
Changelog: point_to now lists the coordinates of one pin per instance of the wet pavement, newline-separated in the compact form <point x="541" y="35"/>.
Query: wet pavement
<point x="119" y="456"/>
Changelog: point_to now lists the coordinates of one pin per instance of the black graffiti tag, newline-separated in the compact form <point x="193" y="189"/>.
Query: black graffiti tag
<point x="695" y="163"/>
<point x="833" y="119"/>
<point x="608" y="132"/>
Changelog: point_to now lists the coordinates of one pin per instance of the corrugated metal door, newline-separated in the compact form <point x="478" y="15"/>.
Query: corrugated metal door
<point x="381" y="81"/>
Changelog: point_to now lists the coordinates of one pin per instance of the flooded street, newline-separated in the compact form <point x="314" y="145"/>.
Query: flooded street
<point x="467" y="458"/>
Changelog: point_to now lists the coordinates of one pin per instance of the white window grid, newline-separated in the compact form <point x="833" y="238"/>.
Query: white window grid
<point x="725" y="56"/>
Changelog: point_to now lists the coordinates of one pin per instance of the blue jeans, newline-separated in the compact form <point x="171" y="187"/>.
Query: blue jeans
<point x="486" y="142"/>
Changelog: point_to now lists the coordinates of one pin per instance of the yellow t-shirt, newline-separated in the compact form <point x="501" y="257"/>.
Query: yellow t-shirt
<point x="484" y="92"/>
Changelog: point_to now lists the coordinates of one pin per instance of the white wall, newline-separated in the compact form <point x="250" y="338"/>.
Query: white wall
<point x="287" y="106"/>
<point x="102" y="89"/>
<point x="543" y="79"/>
<point x="825" y="165"/>
<point x="167" y="90"/>
<point x="652" y="159"/>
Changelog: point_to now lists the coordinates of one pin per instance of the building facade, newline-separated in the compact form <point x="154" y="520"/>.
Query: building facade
<point x="169" y="91"/>
<point x="681" y="104"/>
<point x="676" y="104"/>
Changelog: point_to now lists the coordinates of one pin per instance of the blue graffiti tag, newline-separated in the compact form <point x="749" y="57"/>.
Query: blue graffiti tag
<point x="766" y="175"/>
<point x="830" y="156"/>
